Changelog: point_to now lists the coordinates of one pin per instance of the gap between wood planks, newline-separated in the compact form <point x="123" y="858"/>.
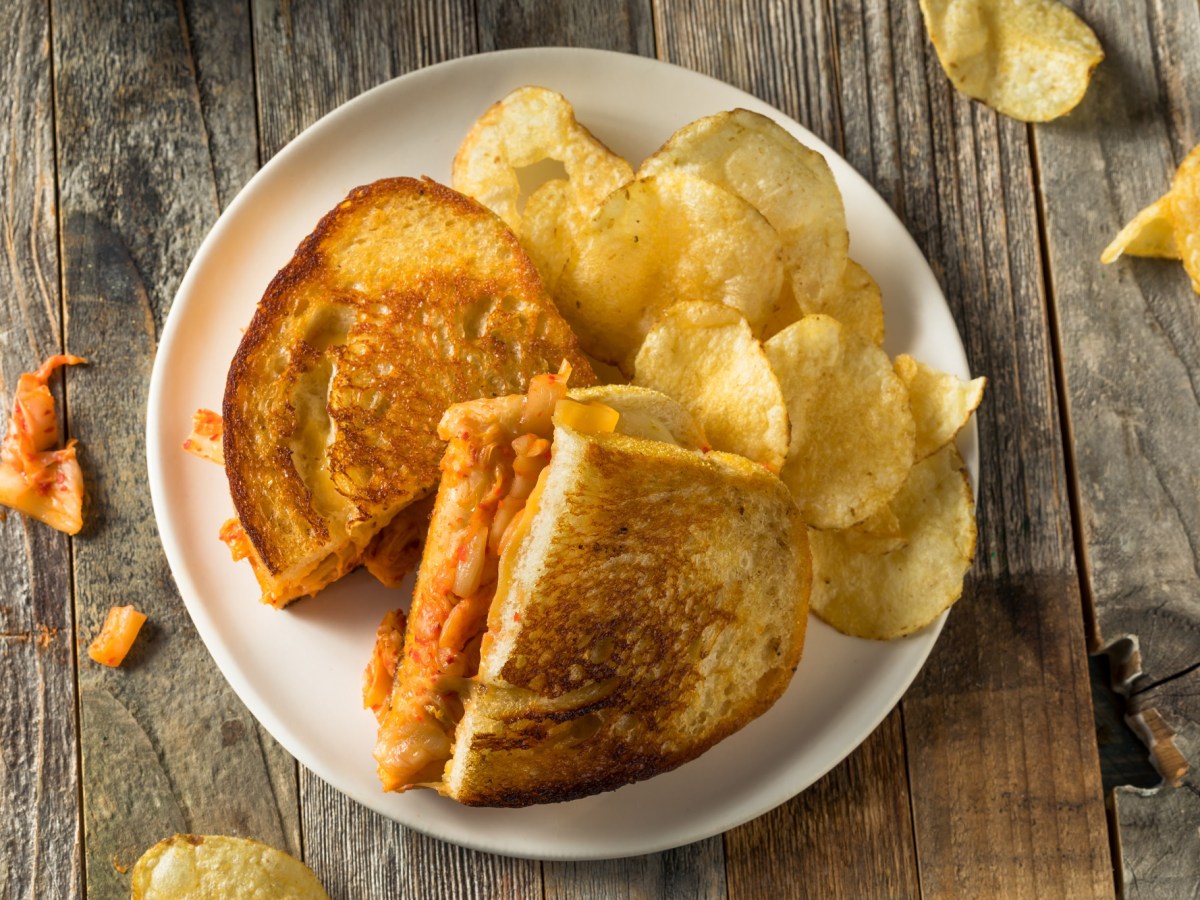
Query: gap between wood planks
<point x="55" y="157"/>
<point x="1091" y="624"/>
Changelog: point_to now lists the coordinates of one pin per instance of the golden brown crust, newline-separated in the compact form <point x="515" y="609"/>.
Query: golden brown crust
<point x="659" y="605"/>
<point x="405" y="298"/>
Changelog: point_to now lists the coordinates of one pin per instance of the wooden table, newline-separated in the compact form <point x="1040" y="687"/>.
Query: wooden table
<point x="131" y="126"/>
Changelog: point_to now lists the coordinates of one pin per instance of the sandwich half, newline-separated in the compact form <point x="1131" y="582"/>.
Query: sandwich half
<point x="601" y="599"/>
<point x="406" y="298"/>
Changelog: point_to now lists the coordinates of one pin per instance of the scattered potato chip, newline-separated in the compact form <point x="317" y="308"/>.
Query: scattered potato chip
<point x="1169" y="228"/>
<point x="1185" y="208"/>
<point x="888" y="595"/>
<point x="1028" y="59"/>
<point x="1150" y="233"/>
<point x="660" y="240"/>
<point x="852" y="433"/>
<point x="704" y="356"/>
<point x="530" y="125"/>
<point x="193" y="866"/>
<point x="790" y="184"/>
<point x="941" y="403"/>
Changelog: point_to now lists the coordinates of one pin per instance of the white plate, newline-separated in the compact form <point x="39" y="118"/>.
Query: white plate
<point x="299" y="670"/>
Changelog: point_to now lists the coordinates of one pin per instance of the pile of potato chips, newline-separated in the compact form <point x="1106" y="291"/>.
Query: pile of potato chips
<point x="719" y="273"/>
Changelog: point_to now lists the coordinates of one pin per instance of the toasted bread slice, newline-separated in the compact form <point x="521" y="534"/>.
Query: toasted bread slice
<point x="657" y="606"/>
<point x="652" y="601"/>
<point x="406" y="298"/>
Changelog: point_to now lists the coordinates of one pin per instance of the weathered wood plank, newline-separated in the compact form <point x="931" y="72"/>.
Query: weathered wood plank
<point x="696" y="870"/>
<point x="782" y="53"/>
<point x="360" y="854"/>
<point x="834" y="828"/>
<point x="1131" y="360"/>
<point x="39" y="778"/>
<point x="625" y="26"/>
<point x="788" y="57"/>
<point x="313" y="57"/>
<point x="1002" y="757"/>
<point x="217" y="37"/>
<point x="138" y="190"/>
<point x="1158" y="827"/>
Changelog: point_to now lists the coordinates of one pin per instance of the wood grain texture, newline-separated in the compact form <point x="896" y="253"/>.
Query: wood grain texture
<point x="692" y="871"/>
<point x="780" y="52"/>
<point x="624" y="26"/>
<point x="311" y="57"/>
<point x="1130" y="339"/>
<point x="39" y="778"/>
<point x="218" y="43"/>
<point x="852" y="830"/>
<point x="1158" y="841"/>
<point x="166" y="746"/>
<point x="359" y="854"/>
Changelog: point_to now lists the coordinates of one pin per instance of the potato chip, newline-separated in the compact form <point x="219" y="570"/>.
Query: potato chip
<point x="1150" y="233"/>
<point x="660" y="240"/>
<point x="888" y="595"/>
<point x="856" y="303"/>
<point x="790" y="184"/>
<point x="1028" y="59"/>
<point x="530" y="125"/>
<point x="941" y="403"/>
<point x="1169" y="228"/>
<point x="852" y="433"/>
<point x="704" y="356"/>
<point x="1185" y="209"/>
<point x="880" y="532"/>
<point x="549" y="224"/>
<point x="193" y="866"/>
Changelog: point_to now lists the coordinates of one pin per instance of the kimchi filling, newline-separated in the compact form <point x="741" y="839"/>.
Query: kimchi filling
<point x="494" y="479"/>
<point x="492" y="476"/>
<point x="35" y="478"/>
